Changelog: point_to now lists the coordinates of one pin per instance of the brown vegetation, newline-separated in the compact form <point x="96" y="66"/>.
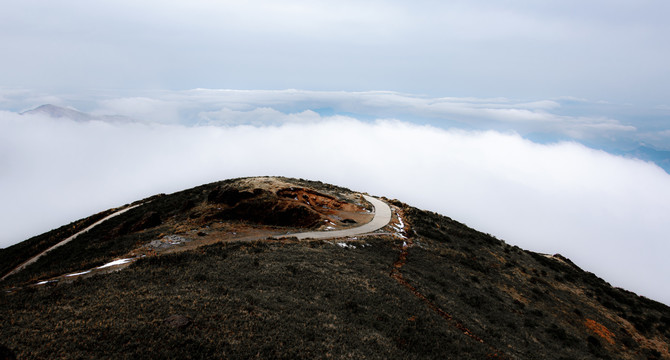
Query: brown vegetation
<point x="214" y="286"/>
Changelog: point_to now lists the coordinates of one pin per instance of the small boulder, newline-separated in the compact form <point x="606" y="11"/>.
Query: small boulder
<point x="177" y="321"/>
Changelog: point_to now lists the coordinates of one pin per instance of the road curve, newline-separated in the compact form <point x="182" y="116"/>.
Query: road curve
<point x="382" y="218"/>
<point x="36" y="257"/>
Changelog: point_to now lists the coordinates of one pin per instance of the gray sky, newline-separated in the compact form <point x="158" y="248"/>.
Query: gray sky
<point x="600" y="50"/>
<point x="451" y="90"/>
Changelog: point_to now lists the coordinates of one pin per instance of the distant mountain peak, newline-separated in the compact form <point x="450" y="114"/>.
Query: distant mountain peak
<point x="57" y="112"/>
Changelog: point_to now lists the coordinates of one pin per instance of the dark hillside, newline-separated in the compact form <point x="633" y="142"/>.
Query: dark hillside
<point x="266" y="300"/>
<point x="14" y="255"/>
<point x="445" y="291"/>
<point x="530" y="303"/>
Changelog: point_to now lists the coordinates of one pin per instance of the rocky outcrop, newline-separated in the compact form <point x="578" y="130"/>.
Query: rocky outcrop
<point x="177" y="321"/>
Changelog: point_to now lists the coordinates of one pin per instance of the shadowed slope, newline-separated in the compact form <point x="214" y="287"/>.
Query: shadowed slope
<point x="426" y="286"/>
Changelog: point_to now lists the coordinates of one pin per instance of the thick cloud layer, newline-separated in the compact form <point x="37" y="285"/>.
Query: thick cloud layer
<point x="616" y="127"/>
<point x="607" y="213"/>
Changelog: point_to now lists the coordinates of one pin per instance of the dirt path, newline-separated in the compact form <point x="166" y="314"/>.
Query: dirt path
<point x="36" y="257"/>
<point x="381" y="219"/>
<point x="397" y="276"/>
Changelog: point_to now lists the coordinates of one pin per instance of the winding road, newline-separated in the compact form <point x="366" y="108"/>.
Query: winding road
<point x="36" y="257"/>
<point x="382" y="218"/>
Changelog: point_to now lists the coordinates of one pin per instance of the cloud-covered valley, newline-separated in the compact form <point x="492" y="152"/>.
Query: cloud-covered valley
<point x="609" y="214"/>
<point x="602" y="124"/>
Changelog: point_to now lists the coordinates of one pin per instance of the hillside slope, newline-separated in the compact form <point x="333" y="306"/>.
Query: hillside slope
<point x="205" y="277"/>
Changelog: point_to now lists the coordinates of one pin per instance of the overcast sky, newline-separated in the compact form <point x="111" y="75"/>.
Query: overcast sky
<point x="452" y="91"/>
<point x="613" y="50"/>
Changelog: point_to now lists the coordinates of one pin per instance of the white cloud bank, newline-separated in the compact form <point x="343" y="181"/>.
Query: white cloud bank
<point x="559" y="117"/>
<point x="608" y="214"/>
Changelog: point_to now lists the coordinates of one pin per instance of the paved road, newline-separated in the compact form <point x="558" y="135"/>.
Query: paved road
<point x="381" y="219"/>
<point x="36" y="257"/>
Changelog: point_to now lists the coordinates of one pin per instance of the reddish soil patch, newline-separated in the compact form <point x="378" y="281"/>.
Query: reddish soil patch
<point x="322" y="203"/>
<point x="253" y="213"/>
<point x="600" y="330"/>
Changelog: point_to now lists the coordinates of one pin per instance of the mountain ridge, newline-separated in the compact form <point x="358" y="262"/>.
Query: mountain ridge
<point x="424" y="286"/>
<point x="58" y="112"/>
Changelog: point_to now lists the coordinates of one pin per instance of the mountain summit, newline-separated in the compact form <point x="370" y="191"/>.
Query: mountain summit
<point x="58" y="112"/>
<point x="272" y="267"/>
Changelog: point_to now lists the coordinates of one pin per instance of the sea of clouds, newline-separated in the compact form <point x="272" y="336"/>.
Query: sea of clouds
<point x="608" y="214"/>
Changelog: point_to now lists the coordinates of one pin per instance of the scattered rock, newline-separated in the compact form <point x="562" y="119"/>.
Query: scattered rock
<point x="167" y="241"/>
<point x="177" y="321"/>
<point x="156" y="244"/>
<point x="175" y="239"/>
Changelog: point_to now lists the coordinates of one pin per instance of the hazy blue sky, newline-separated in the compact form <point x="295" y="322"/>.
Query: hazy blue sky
<point x="453" y="91"/>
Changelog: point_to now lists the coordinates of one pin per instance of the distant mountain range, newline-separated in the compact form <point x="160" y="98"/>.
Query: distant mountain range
<point x="72" y="114"/>
<point x="217" y="271"/>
